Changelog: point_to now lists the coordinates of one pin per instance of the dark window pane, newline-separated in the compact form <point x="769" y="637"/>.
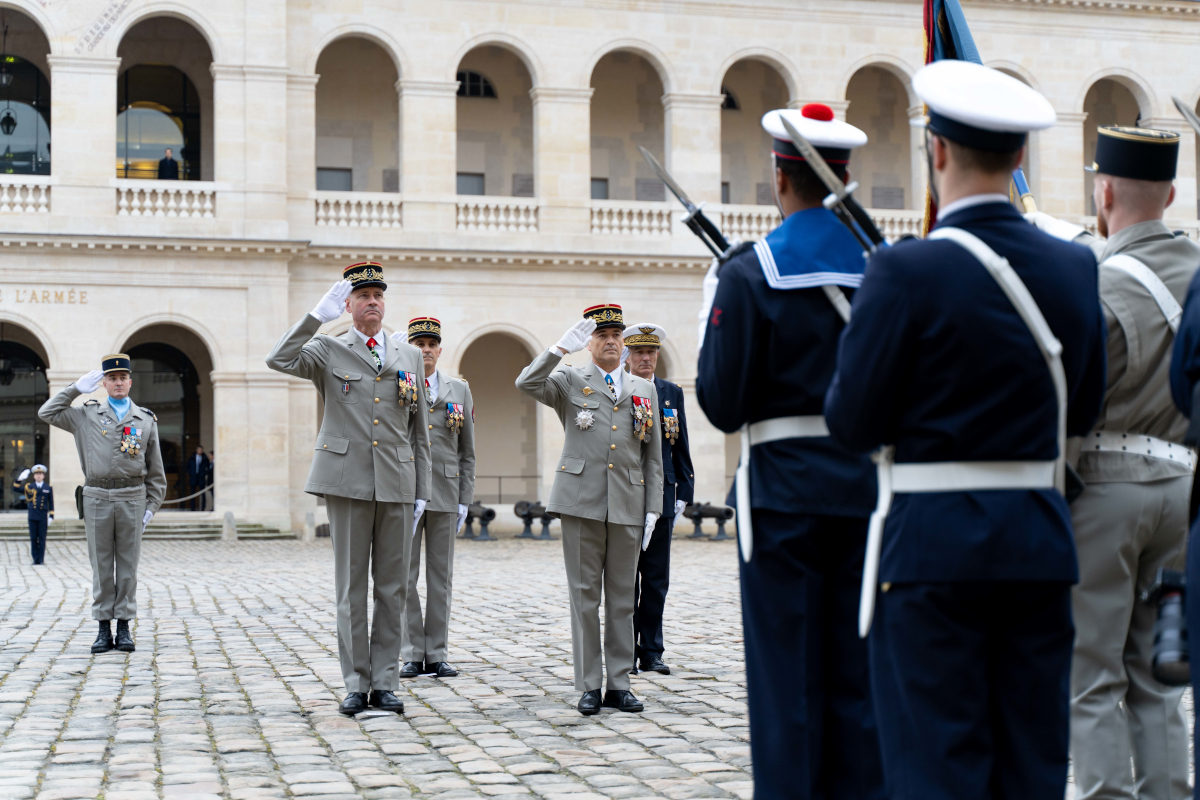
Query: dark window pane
<point x="335" y="180"/>
<point x="725" y="192"/>
<point x="599" y="188"/>
<point x="470" y="183"/>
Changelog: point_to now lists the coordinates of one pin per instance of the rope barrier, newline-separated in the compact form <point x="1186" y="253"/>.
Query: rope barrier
<point x="205" y="490"/>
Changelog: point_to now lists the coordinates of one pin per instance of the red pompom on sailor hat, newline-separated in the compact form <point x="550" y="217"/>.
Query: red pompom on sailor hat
<point x="833" y="138"/>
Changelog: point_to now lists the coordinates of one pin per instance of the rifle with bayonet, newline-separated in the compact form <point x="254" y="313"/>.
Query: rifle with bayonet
<point x="699" y="224"/>
<point x="1187" y="114"/>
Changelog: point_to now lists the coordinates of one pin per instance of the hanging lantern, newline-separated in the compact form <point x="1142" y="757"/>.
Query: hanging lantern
<point x="8" y="122"/>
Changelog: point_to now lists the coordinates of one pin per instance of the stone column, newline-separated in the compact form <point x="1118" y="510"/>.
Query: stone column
<point x="1183" y="212"/>
<point x="1061" y="167"/>
<point x="301" y="152"/>
<point x="82" y="118"/>
<point x="266" y="128"/>
<point x="303" y="425"/>
<point x="920" y="172"/>
<point x="562" y="158"/>
<point x="428" y="153"/>
<point x="229" y="143"/>
<point x="252" y="437"/>
<point x="693" y="138"/>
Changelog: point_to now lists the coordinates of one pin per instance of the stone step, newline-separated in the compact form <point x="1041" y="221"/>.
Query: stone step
<point x="182" y="529"/>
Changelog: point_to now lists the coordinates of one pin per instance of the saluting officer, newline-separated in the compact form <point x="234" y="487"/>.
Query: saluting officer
<point x="608" y="491"/>
<point x="654" y="566"/>
<point x="973" y="353"/>
<point x="1132" y="518"/>
<point x="124" y="485"/>
<point x="768" y="352"/>
<point x="371" y="464"/>
<point x="452" y="486"/>
<point x="39" y="505"/>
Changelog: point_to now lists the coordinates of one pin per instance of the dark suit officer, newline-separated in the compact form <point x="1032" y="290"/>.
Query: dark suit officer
<point x="197" y="473"/>
<point x="971" y="645"/>
<point x="168" y="168"/>
<point x="767" y="356"/>
<point x="654" y="565"/>
<point x="39" y="504"/>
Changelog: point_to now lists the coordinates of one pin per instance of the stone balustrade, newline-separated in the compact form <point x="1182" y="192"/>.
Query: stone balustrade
<point x="630" y="218"/>
<point x="358" y="209"/>
<point x="497" y="215"/>
<point x="894" y="224"/>
<point x="747" y="223"/>
<point x="153" y="198"/>
<point x="25" y="194"/>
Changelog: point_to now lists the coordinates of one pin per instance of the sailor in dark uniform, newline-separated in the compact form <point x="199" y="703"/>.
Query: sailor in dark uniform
<point x="768" y="350"/>
<point x="972" y="355"/>
<point x="39" y="504"/>
<point x="654" y="565"/>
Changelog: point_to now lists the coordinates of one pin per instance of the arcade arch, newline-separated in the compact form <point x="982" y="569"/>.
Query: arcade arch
<point x="627" y="111"/>
<point x="1108" y="102"/>
<point x="24" y="438"/>
<point x="883" y="167"/>
<point x="495" y="124"/>
<point x="24" y="97"/>
<point x="358" y="118"/>
<point x="757" y="87"/>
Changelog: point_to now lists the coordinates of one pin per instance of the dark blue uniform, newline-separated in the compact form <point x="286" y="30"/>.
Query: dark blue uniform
<point x="39" y="503"/>
<point x="770" y="352"/>
<point x="654" y="564"/>
<point x="971" y="643"/>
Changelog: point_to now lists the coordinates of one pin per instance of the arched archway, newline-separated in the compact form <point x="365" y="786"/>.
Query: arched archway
<point x="358" y="118"/>
<point x="24" y="439"/>
<point x="627" y="111"/>
<point x="751" y="88"/>
<point x="506" y="441"/>
<point x="883" y="166"/>
<point x="1029" y="164"/>
<point x="1108" y="102"/>
<point x="24" y="97"/>
<point x="172" y="377"/>
<point x="495" y="124"/>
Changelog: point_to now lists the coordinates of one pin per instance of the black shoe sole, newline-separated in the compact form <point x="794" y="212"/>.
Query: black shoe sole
<point x="588" y="712"/>
<point x="399" y="710"/>
<point x="97" y="651"/>
<point x="629" y="710"/>
<point x="129" y="649"/>
<point x="350" y="713"/>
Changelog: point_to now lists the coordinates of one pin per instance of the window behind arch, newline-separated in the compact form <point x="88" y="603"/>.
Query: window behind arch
<point x="24" y="120"/>
<point x="473" y="84"/>
<point x="157" y="108"/>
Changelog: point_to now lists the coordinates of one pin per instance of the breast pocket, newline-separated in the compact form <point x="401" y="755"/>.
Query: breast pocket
<point x="348" y="385"/>
<point x="584" y="402"/>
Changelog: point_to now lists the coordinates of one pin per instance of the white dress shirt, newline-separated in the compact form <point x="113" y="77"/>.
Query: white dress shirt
<point x="380" y="343"/>
<point x="616" y="376"/>
<point x="432" y="380"/>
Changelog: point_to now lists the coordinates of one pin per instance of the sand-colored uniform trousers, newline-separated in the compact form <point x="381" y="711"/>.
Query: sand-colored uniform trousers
<point x="370" y="463"/>
<point x="1131" y="520"/>
<point x="120" y="485"/>
<point x="452" y="482"/>
<point x="605" y="483"/>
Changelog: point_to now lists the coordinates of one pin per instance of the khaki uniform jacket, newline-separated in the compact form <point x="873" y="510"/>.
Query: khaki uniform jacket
<point x="370" y="447"/>
<point x="453" y="454"/>
<point x="1138" y="397"/>
<point x="605" y="471"/>
<point x="98" y="436"/>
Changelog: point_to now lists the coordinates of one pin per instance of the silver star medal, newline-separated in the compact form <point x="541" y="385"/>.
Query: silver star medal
<point x="584" y="419"/>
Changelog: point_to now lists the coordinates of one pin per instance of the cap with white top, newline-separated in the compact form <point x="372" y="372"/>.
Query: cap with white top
<point x="646" y="334"/>
<point x="833" y="138"/>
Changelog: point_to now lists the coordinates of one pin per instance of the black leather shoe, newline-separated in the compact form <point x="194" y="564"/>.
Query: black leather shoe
<point x="412" y="669"/>
<point x="354" y="703"/>
<point x="104" y="642"/>
<point x="622" y="700"/>
<point x="443" y="669"/>
<point x="654" y="664"/>
<point x="590" y="703"/>
<point x="386" y="701"/>
<point x="124" y="637"/>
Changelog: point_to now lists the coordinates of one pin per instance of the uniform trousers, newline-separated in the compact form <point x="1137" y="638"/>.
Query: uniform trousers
<point x="37" y="539"/>
<point x="971" y="685"/>
<point x="425" y="640"/>
<point x="650" y="589"/>
<point x="601" y="554"/>
<point x="1124" y="532"/>
<point x="114" y="535"/>
<point x="812" y="729"/>
<point x="369" y="537"/>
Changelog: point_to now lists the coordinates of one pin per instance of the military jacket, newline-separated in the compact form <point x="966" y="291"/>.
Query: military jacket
<point x="110" y="448"/>
<point x="451" y="445"/>
<point x="606" y="470"/>
<point x="1138" y="397"/>
<point x="676" y="456"/>
<point x="38" y="502"/>
<point x="371" y="446"/>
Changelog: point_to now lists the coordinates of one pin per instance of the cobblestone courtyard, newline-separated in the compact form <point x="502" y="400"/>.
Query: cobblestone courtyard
<point x="233" y="691"/>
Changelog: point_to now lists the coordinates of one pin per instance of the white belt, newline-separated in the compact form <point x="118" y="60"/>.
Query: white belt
<point x="772" y="430"/>
<point x="1114" y="442"/>
<point x="970" y="476"/>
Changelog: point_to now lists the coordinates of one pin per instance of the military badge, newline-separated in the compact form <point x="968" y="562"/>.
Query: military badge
<point x="345" y="387"/>
<point x="670" y="424"/>
<point x="587" y="390"/>
<point x="455" y="417"/>
<point x="406" y="383"/>
<point x="643" y="416"/>
<point x="584" y="419"/>
<point x="131" y="441"/>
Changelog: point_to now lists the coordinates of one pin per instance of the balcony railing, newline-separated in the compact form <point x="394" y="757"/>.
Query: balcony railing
<point x="358" y="209"/>
<point x="497" y="215"/>
<point x="894" y="224"/>
<point x="748" y="223"/>
<point x="25" y="194"/>
<point x="152" y="198"/>
<point x="630" y="218"/>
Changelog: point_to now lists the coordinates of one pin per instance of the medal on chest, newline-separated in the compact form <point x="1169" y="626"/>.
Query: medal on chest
<point x="455" y="416"/>
<point x="643" y="416"/>
<point x="406" y="383"/>
<point x="131" y="441"/>
<point x="670" y="424"/>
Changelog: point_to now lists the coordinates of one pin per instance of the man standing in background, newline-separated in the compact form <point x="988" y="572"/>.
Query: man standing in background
<point x="39" y="505"/>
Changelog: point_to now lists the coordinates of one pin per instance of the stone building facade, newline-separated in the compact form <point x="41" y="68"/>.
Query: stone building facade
<point x="486" y="153"/>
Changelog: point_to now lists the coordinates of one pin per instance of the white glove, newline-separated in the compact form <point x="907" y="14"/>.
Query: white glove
<point x="399" y="338"/>
<point x="462" y="517"/>
<point x="651" y="521"/>
<point x="418" y="510"/>
<point x="709" y="289"/>
<point x="578" y="336"/>
<point x="23" y="475"/>
<point x="90" y="382"/>
<point x="146" y="519"/>
<point x="624" y="356"/>
<point x="1057" y="228"/>
<point x="333" y="304"/>
<point x="680" y="505"/>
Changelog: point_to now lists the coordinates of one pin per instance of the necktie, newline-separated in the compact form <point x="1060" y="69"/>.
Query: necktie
<point x="428" y="391"/>
<point x="371" y="346"/>
<point x="612" y="387"/>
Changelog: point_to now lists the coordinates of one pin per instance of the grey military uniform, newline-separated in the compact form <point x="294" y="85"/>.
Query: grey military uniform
<point x="1131" y="520"/>
<point x="120" y="486"/>
<point x="371" y="463"/>
<point x="605" y="483"/>
<point x="452" y="482"/>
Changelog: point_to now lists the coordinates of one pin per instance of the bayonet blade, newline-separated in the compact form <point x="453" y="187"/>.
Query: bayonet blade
<point x="814" y="159"/>
<point x="666" y="178"/>
<point x="1187" y="114"/>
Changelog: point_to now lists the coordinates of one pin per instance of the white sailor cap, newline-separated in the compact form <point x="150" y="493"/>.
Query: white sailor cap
<point x="833" y="138"/>
<point x="981" y="107"/>
<point x="647" y="334"/>
<point x="39" y="468"/>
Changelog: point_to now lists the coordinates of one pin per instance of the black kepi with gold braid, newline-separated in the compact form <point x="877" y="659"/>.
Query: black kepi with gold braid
<point x="117" y="362"/>
<point x="607" y="315"/>
<point x="424" y="326"/>
<point x="1144" y="154"/>
<point x="363" y="274"/>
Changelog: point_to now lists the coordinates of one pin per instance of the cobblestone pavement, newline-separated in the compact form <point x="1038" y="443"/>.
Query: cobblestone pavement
<point x="233" y="690"/>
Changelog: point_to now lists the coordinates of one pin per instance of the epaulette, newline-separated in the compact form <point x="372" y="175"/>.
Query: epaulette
<point x="91" y="402"/>
<point x="151" y="413"/>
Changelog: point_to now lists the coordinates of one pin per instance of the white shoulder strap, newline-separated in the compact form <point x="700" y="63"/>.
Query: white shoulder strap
<point x="1158" y="290"/>
<point x="999" y="268"/>
<point x="840" y="304"/>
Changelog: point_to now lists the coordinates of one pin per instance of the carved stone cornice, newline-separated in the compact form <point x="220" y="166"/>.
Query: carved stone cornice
<point x="86" y="65"/>
<point x="1191" y="10"/>
<point x="459" y="259"/>
<point x="557" y="94"/>
<point x="215" y="248"/>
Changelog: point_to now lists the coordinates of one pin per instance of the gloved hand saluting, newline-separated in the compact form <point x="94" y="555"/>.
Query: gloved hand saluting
<point x="577" y="337"/>
<point x="90" y="382"/>
<point x="333" y="303"/>
<point x="624" y="355"/>
<point x="23" y="475"/>
<point x="418" y="510"/>
<point x="651" y="521"/>
<point x="1059" y="229"/>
